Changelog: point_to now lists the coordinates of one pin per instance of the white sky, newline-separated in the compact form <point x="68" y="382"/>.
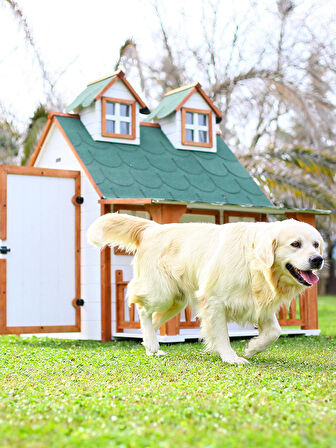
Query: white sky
<point x="80" y="36"/>
<point x="79" y="41"/>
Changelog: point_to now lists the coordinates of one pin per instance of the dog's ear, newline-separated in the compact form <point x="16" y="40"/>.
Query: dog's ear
<point x="264" y="250"/>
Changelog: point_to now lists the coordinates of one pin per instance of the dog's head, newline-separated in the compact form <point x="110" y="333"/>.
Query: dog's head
<point x="295" y="249"/>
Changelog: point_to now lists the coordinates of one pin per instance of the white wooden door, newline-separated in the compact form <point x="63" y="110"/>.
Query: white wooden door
<point x="40" y="250"/>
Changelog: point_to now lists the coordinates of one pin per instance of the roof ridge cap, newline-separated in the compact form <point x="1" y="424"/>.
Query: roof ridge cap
<point x="180" y="89"/>
<point x="116" y="73"/>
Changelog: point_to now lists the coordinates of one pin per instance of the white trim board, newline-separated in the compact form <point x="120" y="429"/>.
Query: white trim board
<point x="178" y="338"/>
<point x="232" y="334"/>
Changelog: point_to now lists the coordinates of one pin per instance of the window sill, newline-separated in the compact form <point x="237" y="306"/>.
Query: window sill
<point x="111" y="135"/>
<point x="199" y="144"/>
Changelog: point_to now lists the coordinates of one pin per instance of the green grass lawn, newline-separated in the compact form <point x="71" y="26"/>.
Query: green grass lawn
<point x="327" y="315"/>
<point x="58" y="393"/>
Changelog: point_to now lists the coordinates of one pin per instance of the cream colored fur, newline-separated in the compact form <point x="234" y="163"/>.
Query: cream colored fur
<point x="232" y="272"/>
<point x="124" y="231"/>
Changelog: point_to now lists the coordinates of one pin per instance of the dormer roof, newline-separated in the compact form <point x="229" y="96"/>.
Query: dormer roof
<point x="175" y="99"/>
<point x="96" y="89"/>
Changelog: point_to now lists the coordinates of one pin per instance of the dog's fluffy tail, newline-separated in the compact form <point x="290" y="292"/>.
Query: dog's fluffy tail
<point x="117" y="229"/>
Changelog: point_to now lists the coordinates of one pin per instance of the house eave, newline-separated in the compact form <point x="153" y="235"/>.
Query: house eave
<point x="244" y="208"/>
<point x="121" y="76"/>
<point x="198" y="88"/>
<point x="215" y="206"/>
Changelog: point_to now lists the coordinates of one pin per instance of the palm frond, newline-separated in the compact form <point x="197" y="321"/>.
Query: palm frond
<point x="296" y="178"/>
<point x="312" y="162"/>
<point x="36" y="125"/>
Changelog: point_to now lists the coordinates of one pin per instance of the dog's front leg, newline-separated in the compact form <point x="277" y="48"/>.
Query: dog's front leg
<point x="215" y="331"/>
<point x="269" y="331"/>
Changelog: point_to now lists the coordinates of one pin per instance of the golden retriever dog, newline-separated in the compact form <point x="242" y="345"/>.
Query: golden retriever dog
<point x="241" y="272"/>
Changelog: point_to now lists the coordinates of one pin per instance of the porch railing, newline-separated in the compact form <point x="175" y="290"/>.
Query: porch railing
<point x="294" y="314"/>
<point x="123" y="320"/>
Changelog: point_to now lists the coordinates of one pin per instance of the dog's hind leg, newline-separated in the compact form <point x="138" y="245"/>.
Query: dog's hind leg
<point x="215" y="331"/>
<point x="150" y="340"/>
<point x="160" y="318"/>
<point x="269" y="331"/>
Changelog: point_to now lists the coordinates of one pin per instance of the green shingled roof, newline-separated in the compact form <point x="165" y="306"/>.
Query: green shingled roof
<point x="168" y="104"/>
<point x="86" y="98"/>
<point x="155" y="169"/>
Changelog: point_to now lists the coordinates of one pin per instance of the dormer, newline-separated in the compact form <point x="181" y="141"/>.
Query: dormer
<point x="188" y="117"/>
<point x="110" y="110"/>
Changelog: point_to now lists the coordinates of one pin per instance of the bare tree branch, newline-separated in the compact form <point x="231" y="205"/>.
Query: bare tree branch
<point x="18" y="14"/>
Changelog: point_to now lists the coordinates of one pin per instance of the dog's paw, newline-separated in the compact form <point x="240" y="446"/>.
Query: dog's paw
<point x="151" y="349"/>
<point x="241" y="360"/>
<point x="235" y="360"/>
<point x="250" y="351"/>
<point x="160" y="353"/>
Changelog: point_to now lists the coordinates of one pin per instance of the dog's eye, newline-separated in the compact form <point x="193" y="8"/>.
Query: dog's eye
<point x="316" y="244"/>
<point x="296" y="244"/>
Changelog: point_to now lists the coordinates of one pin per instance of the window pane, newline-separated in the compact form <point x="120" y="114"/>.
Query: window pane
<point x="189" y="118"/>
<point x="125" y="110"/>
<point x="110" y="108"/>
<point x="124" y="127"/>
<point x="110" y="126"/>
<point x="189" y="135"/>
<point x="202" y="119"/>
<point x="203" y="136"/>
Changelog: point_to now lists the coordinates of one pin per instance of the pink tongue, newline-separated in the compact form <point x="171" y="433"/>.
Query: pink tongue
<point x="310" y="277"/>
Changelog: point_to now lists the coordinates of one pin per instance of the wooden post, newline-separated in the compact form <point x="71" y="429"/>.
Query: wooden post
<point x="167" y="214"/>
<point x="105" y="280"/>
<point x="309" y="310"/>
<point x="309" y="218"/>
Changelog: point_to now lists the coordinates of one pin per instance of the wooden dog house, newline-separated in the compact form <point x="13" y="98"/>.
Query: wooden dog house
<point x="110" y="155"/>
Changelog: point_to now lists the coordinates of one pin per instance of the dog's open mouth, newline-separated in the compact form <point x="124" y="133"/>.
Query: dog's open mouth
<point x="307" y="278"/>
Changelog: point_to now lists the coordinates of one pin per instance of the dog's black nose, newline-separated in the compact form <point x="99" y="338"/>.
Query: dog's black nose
<point x="315" y="261"/>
